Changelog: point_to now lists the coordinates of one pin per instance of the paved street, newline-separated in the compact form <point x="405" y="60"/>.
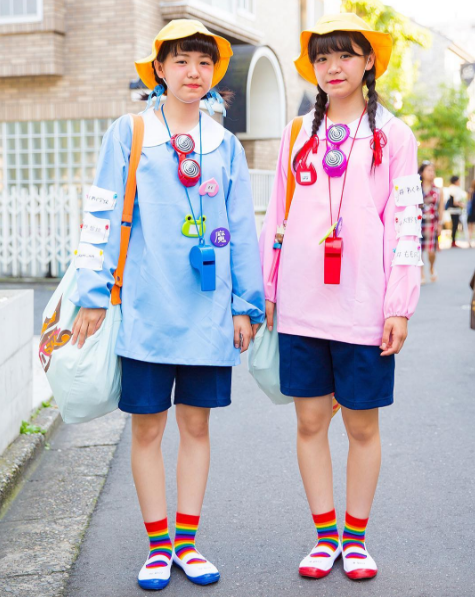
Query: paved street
<point x="255" y="522"/>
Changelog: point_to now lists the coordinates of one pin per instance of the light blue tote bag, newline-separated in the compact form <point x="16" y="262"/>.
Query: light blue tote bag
<point x="86" y="382"/>
<point x="263" y="363"/>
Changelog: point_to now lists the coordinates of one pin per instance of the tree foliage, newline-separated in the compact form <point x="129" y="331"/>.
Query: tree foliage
<point x="443" y="129"/>
<point x="399" y="79"/>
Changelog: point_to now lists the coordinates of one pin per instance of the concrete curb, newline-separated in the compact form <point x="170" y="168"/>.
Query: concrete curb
<point x="44" y="520"/>
<point x="19" y="457"/>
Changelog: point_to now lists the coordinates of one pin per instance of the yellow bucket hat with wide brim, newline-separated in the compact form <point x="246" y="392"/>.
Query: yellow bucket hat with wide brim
<point x="381" y="43"/>
<point x="178" y="29"/>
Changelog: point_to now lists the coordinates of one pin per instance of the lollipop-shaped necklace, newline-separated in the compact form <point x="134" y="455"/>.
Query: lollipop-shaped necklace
<point x="335" y="161"/>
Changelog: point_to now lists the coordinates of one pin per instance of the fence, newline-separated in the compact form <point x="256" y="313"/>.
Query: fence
<point x="261" y="184"/>
<point x="39" y="227"/>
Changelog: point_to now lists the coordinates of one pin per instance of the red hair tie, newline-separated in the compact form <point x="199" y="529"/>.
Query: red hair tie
<point x="377" y="143"/>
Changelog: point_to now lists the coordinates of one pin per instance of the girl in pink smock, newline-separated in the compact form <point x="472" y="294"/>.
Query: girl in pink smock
<point x="348" y="279"/>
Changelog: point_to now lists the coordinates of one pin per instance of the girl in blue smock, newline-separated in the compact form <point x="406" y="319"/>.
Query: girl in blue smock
<point x="192" y="293"/>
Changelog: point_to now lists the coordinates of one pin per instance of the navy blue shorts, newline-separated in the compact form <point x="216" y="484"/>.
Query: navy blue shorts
<point x="147" y="387"/>
<point x="360" y="377"/>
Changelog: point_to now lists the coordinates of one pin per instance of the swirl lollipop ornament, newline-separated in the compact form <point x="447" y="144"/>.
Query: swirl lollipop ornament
<point x="335" y="161"/>
<point x="189" y="171"/>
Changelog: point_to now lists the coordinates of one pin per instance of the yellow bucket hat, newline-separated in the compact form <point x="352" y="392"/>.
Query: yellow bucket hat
<point x="380" y="42"/>
<point x="178" y="29"/>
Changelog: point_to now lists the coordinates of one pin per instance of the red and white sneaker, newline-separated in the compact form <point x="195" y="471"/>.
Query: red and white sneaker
<point x="319" y="566"/>
<point x="357" y="566"/>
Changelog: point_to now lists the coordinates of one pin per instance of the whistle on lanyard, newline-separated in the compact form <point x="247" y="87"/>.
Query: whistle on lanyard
<point x="306" y="174"/>
<point x="203" y="258"/>
<point x="332" y="260"/>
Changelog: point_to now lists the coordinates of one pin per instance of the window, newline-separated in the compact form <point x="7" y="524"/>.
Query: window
<point x="20" y="11"/>
<point x="52" y="152"/>
<point x="227" y="5"/>
<point x="246" y="5"/>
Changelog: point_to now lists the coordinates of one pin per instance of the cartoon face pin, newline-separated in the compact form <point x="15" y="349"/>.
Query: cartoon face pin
<point x="220" y="237"/>
<point x="209" y="187"/>
<point x="190" y="228"/>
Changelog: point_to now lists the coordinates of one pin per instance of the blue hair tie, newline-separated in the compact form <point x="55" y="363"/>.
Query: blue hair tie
<point x="158" y="91"/>
<point x="210" y="98"/>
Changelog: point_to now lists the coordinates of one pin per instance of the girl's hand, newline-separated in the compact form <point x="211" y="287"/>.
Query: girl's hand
<point x="394" y="335"/>
<point x="86" y="324"/>
<point x="270" y="307"/>
<point x="242" y="331"/>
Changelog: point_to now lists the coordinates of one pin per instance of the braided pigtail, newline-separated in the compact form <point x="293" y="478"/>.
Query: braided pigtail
<point x="320" y="108"/>
<point x="379" y="140"/>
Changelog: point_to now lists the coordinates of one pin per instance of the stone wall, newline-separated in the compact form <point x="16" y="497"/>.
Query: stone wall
<point x="16" y="384"/>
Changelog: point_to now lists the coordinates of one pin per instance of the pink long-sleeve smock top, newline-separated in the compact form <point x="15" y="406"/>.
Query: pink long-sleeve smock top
<point x="380" y="276"/>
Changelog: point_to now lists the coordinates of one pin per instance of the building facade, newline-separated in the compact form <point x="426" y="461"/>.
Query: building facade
<point x="67" y="70"/>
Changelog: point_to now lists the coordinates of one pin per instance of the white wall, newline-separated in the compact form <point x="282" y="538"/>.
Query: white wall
<point x="16" y="383"/>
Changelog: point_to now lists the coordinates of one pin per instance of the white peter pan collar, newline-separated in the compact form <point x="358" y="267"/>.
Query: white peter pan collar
<point x="383" y="116"/>
<point x="156" y="133"/>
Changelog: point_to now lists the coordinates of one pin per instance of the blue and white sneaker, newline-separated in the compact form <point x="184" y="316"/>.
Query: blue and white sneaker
<point x="197" y="568"/>
<point x="155" y="573"/>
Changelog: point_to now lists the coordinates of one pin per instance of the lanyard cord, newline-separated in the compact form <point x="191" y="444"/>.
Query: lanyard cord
<point x="346" y="171"/>
<point x="200" y="234"/>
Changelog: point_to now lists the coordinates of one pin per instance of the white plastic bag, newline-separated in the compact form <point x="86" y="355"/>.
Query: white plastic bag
<point x="86" y="382"/>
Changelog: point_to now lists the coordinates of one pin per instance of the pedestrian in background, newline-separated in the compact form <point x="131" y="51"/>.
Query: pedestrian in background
<point x="342" y="315"/>
<point x="471" y="213"/>
<point x="455" y="203"/>
<point x="432" y="212"/>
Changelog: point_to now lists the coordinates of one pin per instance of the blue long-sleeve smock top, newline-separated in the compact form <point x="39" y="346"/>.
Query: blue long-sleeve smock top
<point x="167" y="318"/>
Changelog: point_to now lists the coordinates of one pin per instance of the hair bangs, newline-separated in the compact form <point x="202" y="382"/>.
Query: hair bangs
<point x="204" y="44"/>
<point x="338" y="41"/>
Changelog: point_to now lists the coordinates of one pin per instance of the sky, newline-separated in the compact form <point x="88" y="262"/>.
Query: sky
<point x="458" y="23"/>
<point x="434" y="12"/>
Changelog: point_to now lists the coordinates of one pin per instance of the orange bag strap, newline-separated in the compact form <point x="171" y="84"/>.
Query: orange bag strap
<point x="294" y="133"/>
<point x="128" y="210"/>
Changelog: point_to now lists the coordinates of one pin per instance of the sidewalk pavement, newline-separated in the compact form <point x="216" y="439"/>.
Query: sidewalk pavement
<point x="41" y="532"/>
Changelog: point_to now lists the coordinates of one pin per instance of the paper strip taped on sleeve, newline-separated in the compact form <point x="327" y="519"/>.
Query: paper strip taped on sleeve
<point x="98" y="199"/>
<point x="408" y="252"/>
<point x="89" y="257"/>
<point x="407" y="190"/>
<point x="408" y="222"/>
<point x="95" y="230"/>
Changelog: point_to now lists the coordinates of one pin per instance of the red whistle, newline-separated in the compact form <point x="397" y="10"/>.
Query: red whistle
<point x="332" y="261"/>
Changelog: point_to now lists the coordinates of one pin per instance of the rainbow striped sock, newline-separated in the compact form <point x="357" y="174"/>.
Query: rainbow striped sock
<point x="186" y="527"/>
<point x="327" y="534"/>
<point x="160" y="542"/>
<point x="354" y="536"/>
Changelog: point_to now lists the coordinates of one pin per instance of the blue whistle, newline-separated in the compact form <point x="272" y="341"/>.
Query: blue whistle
<point x="203" y="258"/>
